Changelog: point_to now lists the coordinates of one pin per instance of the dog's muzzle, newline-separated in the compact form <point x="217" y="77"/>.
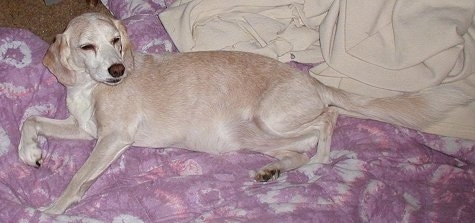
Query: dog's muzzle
<point x="117" y="73"/>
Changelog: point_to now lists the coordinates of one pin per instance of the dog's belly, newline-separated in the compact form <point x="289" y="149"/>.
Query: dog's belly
<point x="215" y="141"/>
<point x="217" y="135"/>
<point x="212" y="136"/>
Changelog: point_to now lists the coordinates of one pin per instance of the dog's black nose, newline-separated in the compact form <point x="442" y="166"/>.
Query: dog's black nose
<point x="116" y="70"/>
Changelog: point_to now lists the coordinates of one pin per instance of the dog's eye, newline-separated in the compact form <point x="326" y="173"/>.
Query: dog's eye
<point x="115" y="40"/>
<point x="87" y="47"/>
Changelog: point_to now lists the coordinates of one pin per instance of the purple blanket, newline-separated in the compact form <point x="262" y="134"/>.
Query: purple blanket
<point x="378" y="173"/>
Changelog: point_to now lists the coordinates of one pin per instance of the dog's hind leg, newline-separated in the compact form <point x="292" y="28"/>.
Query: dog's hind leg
<point x="289" y="158"/>
<point x="107" y="149"/>
<point x="326" y="125"/>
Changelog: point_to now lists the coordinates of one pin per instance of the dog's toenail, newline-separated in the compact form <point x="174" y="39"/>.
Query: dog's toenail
<point x="275" y="173"/>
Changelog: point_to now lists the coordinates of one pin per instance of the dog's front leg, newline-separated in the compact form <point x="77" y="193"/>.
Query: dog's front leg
<point x="34" y="126"/>
<point x="107" y="149"/>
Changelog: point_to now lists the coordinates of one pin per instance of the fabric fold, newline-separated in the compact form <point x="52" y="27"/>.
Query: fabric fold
<point x="273" y="28"/>
<point x="367" y="47"/>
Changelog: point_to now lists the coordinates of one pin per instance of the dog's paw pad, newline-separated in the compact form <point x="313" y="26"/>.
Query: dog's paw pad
<point x="267" y="175"/>
<point x="39" y="162"/>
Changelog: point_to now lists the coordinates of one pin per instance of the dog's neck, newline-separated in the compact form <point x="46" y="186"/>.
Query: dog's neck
<point x="81" y="106"/>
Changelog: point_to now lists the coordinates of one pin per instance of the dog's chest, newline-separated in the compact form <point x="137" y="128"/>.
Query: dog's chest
<point x="80" y="106"/>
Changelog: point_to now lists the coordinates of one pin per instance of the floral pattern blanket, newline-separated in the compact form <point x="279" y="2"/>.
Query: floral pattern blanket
<point x="378" y="173"/>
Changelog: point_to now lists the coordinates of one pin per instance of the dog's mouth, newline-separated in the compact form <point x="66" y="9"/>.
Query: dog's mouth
<point x="113" y="81"/>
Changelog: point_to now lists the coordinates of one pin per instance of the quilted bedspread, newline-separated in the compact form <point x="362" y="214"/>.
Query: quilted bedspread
<point x="379" y="172"/>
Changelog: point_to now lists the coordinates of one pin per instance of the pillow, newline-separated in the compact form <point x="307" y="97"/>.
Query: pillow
<point x="123" y="9"/>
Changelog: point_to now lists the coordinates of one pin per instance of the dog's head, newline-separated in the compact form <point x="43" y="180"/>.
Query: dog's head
<point x="93" y="46"/>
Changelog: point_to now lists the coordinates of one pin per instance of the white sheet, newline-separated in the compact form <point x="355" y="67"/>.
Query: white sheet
<point x="368" y="47"/>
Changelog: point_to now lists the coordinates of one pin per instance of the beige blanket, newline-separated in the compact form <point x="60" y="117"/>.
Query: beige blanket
<point x="375" y="48"/>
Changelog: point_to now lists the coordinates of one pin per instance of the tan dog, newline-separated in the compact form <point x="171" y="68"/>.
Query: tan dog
<point x="213" y="102"/>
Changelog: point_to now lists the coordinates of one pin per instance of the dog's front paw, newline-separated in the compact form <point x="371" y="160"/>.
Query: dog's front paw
<point x="30" y="154"/>
<point x="28" y="150"/>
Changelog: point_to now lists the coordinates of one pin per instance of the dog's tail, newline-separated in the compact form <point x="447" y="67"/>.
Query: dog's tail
<point x="414" y="110"/>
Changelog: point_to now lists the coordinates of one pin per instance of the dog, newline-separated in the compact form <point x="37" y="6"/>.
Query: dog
<point x="213" y="102"/>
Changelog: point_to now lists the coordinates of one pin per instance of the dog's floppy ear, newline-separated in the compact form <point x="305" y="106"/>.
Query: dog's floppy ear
<point x="127" y="48"/>
<point x="56" y="60"/>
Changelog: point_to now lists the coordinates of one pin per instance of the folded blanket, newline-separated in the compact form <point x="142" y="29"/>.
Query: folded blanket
<point x="383" y="48"/>
<point x="367" y="47"/>
<point x="276" y="28"/>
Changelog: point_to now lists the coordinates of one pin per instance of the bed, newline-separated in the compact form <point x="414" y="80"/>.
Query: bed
<point x="379" y="172"/>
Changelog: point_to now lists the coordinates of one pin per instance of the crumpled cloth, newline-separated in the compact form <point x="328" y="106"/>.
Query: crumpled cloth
<point x="375" y="48"/>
